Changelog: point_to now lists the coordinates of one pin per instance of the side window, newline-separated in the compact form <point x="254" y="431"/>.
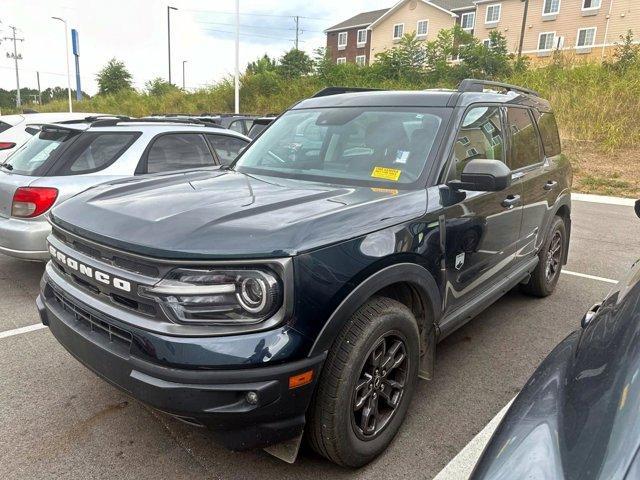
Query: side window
<point x="4" y="126"/>
<point x="549" y="133"/>
<point x="178" y="151"/>
<point x="227" y="148"/>
<point x="480" y="136"/>
<point x="237" y="126"/>
<point x="94" y="152"/>
<point x="525" y="147"/>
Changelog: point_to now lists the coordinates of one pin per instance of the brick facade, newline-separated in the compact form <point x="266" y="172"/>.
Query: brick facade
<point x="352" y="50"/>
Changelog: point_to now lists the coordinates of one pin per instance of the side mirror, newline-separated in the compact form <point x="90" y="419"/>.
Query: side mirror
<point x="638" y="208"/>
<point x="483" y="176"/>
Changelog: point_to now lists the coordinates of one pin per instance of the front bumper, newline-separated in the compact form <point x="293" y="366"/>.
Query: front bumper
<point x="26" y="239"/>
<point x="214" y="398"/>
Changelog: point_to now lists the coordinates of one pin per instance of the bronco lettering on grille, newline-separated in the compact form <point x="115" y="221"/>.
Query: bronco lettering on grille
<point x="88" y="271"/>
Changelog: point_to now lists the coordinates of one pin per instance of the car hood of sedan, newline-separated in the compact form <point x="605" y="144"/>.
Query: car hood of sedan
<point x="226" y="214"/>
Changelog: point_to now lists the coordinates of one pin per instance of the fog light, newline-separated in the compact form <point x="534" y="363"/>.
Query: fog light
<point x="252" y="398"/>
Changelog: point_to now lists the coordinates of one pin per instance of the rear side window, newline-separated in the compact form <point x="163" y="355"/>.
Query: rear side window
<point x="32" y="157"/>
<point x="549" y="133"/>
<point x="237" y="126"/>
<point x="525" y="146"/>
<point x="93" y="152"/>
<point x="4" y="126"/>
<point x="178" y="151"/>
<point x="227" y="148"/>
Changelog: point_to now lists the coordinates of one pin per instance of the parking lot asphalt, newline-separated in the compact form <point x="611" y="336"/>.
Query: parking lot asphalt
<point x="58" y="420"/>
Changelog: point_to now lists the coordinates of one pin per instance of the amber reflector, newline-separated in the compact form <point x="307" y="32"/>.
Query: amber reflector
<point x="301" y="379"/>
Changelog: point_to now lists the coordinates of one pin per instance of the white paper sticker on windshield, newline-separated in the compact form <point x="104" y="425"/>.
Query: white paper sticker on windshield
<point x="402" y="156"/>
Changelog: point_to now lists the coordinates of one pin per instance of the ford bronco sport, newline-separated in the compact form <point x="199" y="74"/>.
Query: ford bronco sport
<point x="303" y="289"/>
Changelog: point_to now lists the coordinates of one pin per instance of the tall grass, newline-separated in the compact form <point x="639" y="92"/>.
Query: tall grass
<point x="593" y="102"/>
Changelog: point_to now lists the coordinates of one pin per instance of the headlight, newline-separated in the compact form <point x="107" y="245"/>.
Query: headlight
<point x="218" y="297"/>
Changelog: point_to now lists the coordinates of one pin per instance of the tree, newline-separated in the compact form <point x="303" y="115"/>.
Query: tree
<point x="113" y="78"/>
<point x="406" y="61"/>
<point x="627" y="53"/>
<point x="488" y="61"/>
<point x="295" y="63"/>
<point x="159" y="87"/>
<point x="262" y="65"/>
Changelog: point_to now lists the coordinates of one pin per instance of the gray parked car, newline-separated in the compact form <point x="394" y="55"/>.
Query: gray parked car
<point x="66" y="159"/>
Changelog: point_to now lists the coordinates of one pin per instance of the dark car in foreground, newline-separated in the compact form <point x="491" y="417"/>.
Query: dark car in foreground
<point x="578" y="416"/>
<point x="305" y="286"/>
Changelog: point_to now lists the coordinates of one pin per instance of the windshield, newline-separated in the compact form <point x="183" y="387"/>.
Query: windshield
<point x="352" y="145"/>
<point x="37" y="151"/>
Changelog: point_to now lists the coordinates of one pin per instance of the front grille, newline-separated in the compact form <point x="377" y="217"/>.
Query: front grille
<point x="106" y="256"/>
<point x="92" y="323"/>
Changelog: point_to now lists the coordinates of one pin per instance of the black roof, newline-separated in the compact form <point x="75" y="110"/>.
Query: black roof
<point x="470" y="91"/>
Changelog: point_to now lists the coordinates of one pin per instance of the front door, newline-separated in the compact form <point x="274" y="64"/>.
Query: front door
<point x="482" y="228"/>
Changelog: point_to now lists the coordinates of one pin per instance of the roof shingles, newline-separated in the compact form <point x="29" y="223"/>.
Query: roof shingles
<point x="362" y="19"/>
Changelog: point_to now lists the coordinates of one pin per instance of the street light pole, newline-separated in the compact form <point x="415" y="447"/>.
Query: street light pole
<point x="169" y="8"/>
<point x="66" y="46"/>
<point x="183" y="77"/>
<point x="237" y="76"/>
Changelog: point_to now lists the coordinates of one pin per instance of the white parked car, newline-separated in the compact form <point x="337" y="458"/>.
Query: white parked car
<point x="62" y="160"/>
<point x="14" y="129"/>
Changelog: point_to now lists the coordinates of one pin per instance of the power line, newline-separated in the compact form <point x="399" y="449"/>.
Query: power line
<point x="248" y="34"/>
<point x="255" y="14"/>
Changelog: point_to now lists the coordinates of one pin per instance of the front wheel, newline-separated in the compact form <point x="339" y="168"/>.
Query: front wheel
<point x="366" y="384"/>
<point x="545" y="277"/>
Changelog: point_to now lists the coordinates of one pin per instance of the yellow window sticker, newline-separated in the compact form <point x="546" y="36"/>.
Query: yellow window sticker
<point x="390" y="191"/>
<point x="386" y="173"/>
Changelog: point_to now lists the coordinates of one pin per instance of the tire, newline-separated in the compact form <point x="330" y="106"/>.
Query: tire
<point x="545" y="277"/>
<point x="335" y="427"/>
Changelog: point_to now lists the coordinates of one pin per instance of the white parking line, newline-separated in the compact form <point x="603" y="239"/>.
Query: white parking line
<point x="590" y="277"/>
<point x="462" y="464"/>
<point x="18" y="331"/>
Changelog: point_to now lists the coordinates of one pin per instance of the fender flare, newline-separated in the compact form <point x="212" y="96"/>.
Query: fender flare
<point x="416" y="275"/>
<point x="563" y="200"/>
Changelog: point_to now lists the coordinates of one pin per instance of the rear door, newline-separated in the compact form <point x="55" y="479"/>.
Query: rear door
<point x="527" y="160"/>
<point x="176" y="151"/>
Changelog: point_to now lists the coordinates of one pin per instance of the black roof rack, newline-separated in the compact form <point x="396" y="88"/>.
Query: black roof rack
<point x="473" y="85"/>
<point x="326" y="92"/>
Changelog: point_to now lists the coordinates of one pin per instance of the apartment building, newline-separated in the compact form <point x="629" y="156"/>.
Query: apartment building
<point x="350" y="41"/>
<point x="584" y="27"/>
<point x="534" y="27"/>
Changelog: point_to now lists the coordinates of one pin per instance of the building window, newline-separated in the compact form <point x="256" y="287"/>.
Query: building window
<point x="468" y="20"/>
<point x="493" y="13"/>
<point x="362" y="37"/>
<point x="341" y="60"/>
<point x="546" y="41"/>
<point x="487" y="42"/>
<point x="398" y="31"/>
<point x="551" y="7"/>
<point x="586" y="37"/>
<point x="422" y="28"/>
<point x="591" y="4"/>
<point x="342" y="39"/>
<point x="361" y="60"/>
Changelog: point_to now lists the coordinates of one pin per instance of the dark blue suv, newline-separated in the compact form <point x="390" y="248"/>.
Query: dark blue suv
<point x="304" y="288"/>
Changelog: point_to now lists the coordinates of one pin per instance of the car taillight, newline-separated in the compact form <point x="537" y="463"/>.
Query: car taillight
<point x="29" y="202"/>
<point x="6" y="145"/>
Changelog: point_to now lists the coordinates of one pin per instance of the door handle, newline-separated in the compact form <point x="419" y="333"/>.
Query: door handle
<point x="511" y="201"/>
<point x="550" y="185"/>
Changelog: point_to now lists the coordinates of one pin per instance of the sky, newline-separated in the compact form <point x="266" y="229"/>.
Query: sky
<point x="135" y="32"/>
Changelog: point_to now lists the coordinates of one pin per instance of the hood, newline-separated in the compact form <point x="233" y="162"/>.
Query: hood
<point x="578" y="416"/>
<point x="225" y="214"/>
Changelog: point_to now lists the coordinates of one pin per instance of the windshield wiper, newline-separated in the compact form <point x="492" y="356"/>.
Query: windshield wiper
<point x="7" y="166"/>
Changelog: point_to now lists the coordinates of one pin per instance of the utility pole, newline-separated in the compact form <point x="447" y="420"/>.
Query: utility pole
<point x="39" y="91"/>
<point x="16" y="56"/>
<point x="237" y="77"/>
<point x="184" y="87"/>
<point x="524" y="26"/>
<point x="297" y="20"/>
<point x="169" y="8"/>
